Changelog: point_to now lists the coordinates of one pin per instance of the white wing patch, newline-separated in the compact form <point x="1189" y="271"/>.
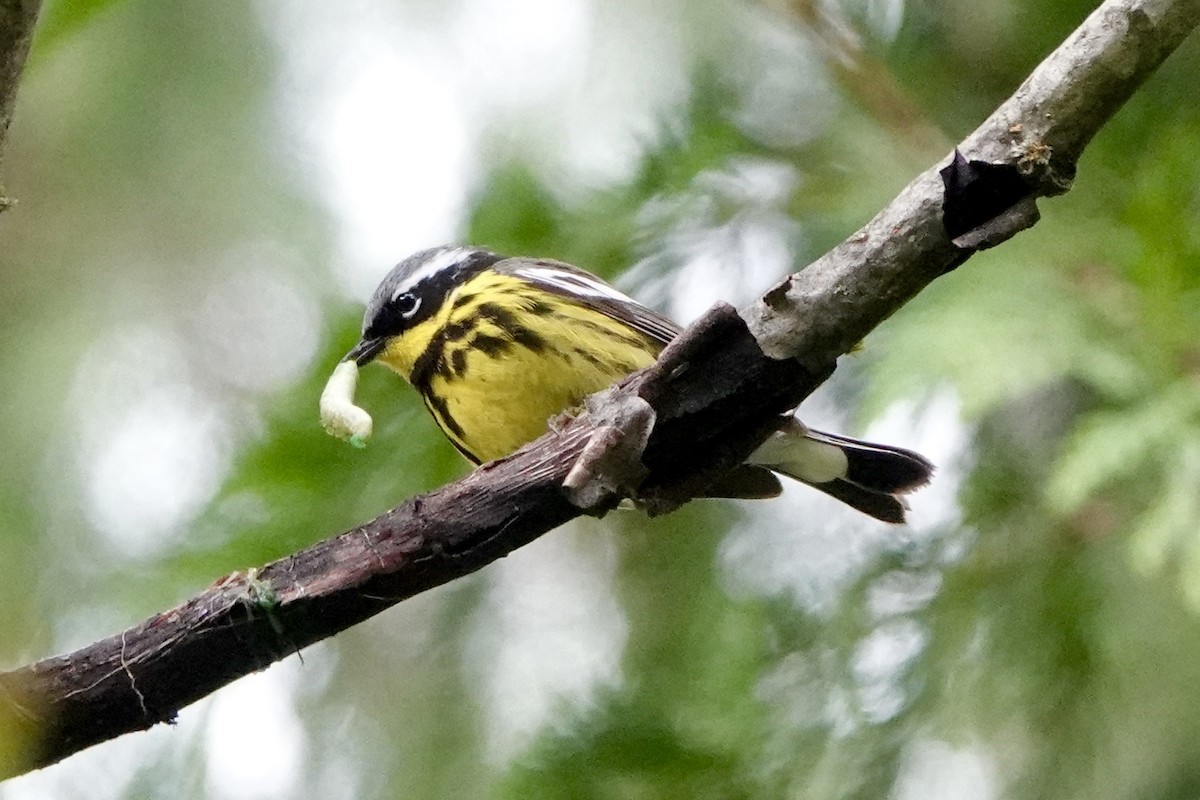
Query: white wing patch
<point x="576" y="284"/>
<point x="591" y="291"/>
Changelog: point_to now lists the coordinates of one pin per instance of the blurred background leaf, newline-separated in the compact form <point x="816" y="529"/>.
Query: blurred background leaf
<point x="208" y="192"/>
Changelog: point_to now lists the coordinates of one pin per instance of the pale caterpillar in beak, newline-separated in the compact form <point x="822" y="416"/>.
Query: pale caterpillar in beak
<point x="339" y="416"/>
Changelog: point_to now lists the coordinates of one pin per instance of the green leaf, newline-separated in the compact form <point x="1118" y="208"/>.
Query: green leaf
<point x="63" y="19"/>
<point x="1170" y="523"/>
<point x="1110" y="445"/>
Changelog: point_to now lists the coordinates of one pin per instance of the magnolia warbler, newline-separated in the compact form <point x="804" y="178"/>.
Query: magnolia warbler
<point x="499" y="346"/>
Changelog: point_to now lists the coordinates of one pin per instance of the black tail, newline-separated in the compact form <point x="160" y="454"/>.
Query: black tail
<point x="873" y="477"/>
<point x="880" y="467"/>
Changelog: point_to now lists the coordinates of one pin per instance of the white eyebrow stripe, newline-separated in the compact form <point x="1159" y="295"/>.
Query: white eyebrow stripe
<point x="575" y="283"/>
<point x="439" y="262"/>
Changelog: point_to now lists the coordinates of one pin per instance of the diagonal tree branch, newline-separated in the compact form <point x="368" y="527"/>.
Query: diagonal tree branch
<point x="715" y="393"/>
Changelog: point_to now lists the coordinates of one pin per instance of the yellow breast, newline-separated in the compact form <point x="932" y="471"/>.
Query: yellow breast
<point x="501" y="358"/>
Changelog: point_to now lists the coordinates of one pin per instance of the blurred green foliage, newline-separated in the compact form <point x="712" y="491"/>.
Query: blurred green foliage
<point x="1047" y="636"/>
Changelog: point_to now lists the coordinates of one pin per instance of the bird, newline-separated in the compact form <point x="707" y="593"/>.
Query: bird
<point x="499" y="346"/>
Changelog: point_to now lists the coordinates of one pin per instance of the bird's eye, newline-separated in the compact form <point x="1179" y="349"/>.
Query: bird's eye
<point x="406" y="304"/>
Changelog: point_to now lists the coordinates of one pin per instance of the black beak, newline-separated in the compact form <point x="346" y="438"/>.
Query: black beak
<point x="363" y="352"/>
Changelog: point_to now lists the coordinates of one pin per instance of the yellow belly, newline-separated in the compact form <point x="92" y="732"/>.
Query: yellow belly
<point x="501" y="403"/>
<point x="496" y="389"/>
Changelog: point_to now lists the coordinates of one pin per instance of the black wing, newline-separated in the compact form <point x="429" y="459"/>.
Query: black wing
<point x="588" y="290"/>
